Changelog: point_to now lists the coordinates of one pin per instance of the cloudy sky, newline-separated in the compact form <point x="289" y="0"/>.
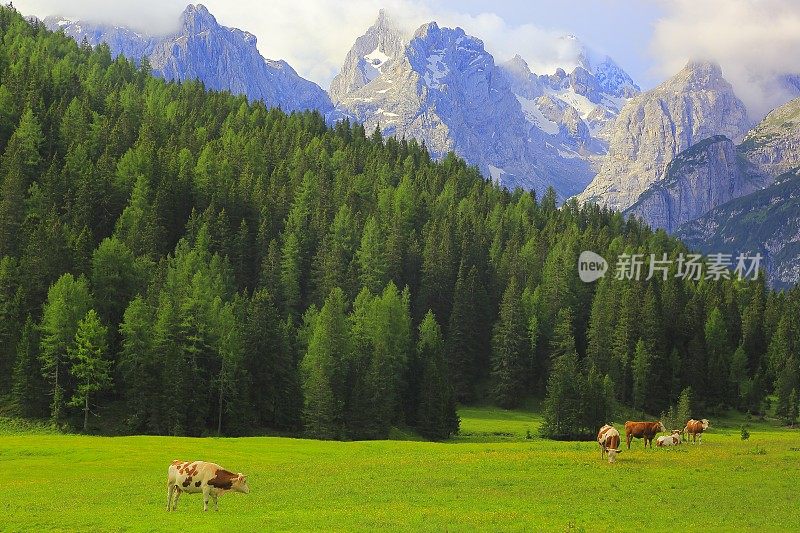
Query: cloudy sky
<point x="651" y="39"/>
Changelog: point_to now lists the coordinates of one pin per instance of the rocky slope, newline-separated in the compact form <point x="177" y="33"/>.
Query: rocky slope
<point x="774" y="144"/>
<point x="222" y="58"/>
<point x="713" y="172"/>
<point x="765" y="222"/>
<point x="697" y="180"/>
<point x="653" y="127"/>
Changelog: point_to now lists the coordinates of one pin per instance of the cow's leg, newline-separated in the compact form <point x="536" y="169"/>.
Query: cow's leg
<point x="170" y="491"/>
<point x="177" y="497"/>
<point x="628" y="438"/>
<point x="216" y="501"/>
<point x="206" y="495"/>
<point x="700" y="437"/>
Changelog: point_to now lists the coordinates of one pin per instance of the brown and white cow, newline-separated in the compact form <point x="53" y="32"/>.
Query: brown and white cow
<point x="670" y="440"/>
<point x="643" y="430"/>
<point x="201" y="477"/>
<point x="695" y="428"/>
<point x="608" y="439"/>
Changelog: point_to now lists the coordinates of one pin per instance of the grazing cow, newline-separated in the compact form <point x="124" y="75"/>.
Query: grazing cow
<point x="670" y="440"/>
<point x="643" y="430"/>
<point x="608" y="439"/>
<point x="199" y="476"/>
<point x="695" y="428"/>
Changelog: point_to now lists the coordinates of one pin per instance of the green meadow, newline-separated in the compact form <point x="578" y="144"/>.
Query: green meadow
<point x="492" y="477"/>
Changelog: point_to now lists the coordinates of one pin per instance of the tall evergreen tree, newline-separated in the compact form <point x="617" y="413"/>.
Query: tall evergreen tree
<point x="510" y="349"/>
<point x="89" y="363"/>
<point x="68" y="301"/>
<point x="436" y="415"/>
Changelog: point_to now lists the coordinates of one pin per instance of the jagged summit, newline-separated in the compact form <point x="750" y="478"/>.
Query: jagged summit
<point x="373" y="52"/>
<point x="693" y="105"/>
<point x="198" y="18"/>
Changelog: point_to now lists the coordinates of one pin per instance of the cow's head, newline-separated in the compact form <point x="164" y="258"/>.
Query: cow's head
<point x="705" y="423"/>
<point x="612" y="455"/>
<point x="661" y="427"/>
<point x="239" y="484"/>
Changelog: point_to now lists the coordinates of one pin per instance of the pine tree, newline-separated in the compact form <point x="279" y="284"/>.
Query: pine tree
<point x="322" y="390"/>
<point x="683" y="411"/>
<point x="67" y="303"/>
<point x="89" y="365"/>
<point x="787" y="381"/>
<point x="19" y="163"/>
<point x="718" y="353"/>
<point x="641" y="369"/>
<point x="563" y="417"/>
<point x="274" y="394"/>
<point x="436" y="414"/>
<point x="28" y="387"/>
<point x="510" y="349"/>
<point x="792" y="409"/>
<point x="371" y="258"/>
<point x="138" y="367"/>
<point x="467" y="334"/>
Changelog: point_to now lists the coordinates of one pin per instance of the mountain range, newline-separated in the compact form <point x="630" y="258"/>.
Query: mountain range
<point x="678" y="155"/>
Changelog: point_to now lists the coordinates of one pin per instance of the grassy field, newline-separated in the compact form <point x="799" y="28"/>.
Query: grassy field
<point x="490" y="478"/>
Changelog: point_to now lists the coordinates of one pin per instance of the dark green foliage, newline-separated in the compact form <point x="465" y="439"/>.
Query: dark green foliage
<point x="222" y="243"/>
<point x="510" y="348"/>
<point x="436" y="413"/>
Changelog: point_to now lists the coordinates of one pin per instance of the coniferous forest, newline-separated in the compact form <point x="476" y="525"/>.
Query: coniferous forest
<point x="184" y="262"/>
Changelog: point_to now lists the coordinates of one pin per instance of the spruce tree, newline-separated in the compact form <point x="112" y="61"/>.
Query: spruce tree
<point x="641" y="369"/>
<point x="68" y="301"/>
<point x="510" y="350"/>
<point x="89" y="363"/>
<point x="436" y="411"/>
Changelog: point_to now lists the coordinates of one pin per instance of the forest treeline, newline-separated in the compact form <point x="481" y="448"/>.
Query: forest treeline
<point x="180" y="261"/>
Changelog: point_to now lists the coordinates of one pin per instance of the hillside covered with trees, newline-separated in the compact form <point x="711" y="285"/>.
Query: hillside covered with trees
<point x="180" y="261"/>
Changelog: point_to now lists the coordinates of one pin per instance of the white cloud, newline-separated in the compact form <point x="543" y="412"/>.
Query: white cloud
<point x="315" y="35"/>
<point x="754" y="41"/>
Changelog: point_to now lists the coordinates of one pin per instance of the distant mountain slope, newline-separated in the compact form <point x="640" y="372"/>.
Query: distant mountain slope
<point x="697" y="180"/>
<point x="766" y="221"/>
<point x="695" y="104"/>
<point x="222" y="58"/>
<point x="713" y="171"/>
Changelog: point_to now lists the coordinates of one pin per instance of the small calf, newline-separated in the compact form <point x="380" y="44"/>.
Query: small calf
<point x="201" y="477"/>
<point x="670" y="440"/>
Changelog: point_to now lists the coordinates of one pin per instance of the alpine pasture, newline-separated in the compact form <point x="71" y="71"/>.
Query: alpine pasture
<point x="490" y="477"/>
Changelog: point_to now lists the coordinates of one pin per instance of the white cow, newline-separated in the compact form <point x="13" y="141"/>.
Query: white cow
<point x="670" y="440"/>
<point x="201" y="477"/>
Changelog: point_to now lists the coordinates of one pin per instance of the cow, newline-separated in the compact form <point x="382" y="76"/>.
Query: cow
<point x="608" y="439"/>
<point x="670" y="440"/>
<point x="643" y="430"/>
<point x="695" y="428"/>
<point x="201" y="477"/>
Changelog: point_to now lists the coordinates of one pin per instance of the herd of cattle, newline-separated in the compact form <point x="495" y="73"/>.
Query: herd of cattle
<point x="609" y="439"/>
<point x="212" y="480"/>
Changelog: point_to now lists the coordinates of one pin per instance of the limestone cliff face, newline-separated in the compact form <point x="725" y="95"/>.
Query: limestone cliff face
<point x="699" y="179"/>
<point x="653" y="127"/>
<point x="774" y="144"/>
<point x="766" y="222"/>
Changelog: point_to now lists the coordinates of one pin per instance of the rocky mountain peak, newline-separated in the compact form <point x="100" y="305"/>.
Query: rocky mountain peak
<point x="381" y="44"/>
<point x="197" y="18"/>
<point x="695" y="104"/>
